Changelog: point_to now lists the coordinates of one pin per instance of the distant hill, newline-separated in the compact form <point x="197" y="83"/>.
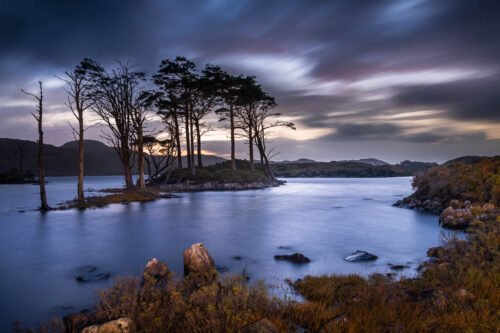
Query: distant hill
<point x="371" y="161"/>
<point x="100" y="159"/>
<point x="300" y="160"/>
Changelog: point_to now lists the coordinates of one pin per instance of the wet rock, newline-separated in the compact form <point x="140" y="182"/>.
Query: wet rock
<point x="360" y="256"/>
<point x="122" y="325"/>
<point x="436" y="252"/>
<point x="398" y="267"/>
<point x="455" y="204"/>
<point x="285" y="247"/>
<point x="237" y="258"/>
<point x="91" y="274"/>
<point x="221" y="268"/>
<point x="197" y="260"/>
<point x="261" y="326"/>
<point x="297" y="258"/>
<point x="156" y="273"/>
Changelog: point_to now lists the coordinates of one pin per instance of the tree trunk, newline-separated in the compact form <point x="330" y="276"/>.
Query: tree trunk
<point x="263" y="157"/>
<point x="191" y="127"/>
<point x="125" y="159"/>
<point x="41" y="164"/>
<point x="140" y="158"/>
<point x="81" y="197"/>
<point x="233" y="154"/>
<point x="178" y="141"/>
<point x="188" y="137"/>
<point x="148" y="165"/>
<point x="198" y="139"/>
<point x="250" y="149"/>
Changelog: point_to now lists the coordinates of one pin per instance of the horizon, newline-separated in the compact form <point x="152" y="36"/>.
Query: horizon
<point x="415" y="80"/>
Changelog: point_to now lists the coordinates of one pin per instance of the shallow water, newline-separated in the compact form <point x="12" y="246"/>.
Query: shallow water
<point x="326" y="219"/>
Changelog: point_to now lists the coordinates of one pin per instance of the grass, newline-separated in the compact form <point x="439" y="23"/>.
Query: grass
<point x="117" y="196"/>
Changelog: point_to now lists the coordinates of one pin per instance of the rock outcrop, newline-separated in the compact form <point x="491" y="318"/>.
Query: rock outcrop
<point x="155" y="273"/>
<point x="461" y="215"/>
<point x="198" y="260"/>
<point x="360" y="256"/>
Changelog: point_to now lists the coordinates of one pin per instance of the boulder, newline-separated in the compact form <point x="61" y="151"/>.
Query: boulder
<point x="122" y="325"/>
<point x="261" y="326"/>
<point x="488" y="207"/>
<point x="464" y="295"/>
<point x="455" y="204"/>
<point x="436" y="252"/>
<point x="91" y="274"/>
<point x="156" y="273"/>
<point x="198" y="260"/>
<point x="398" y="267"/>
<point x="360" y="256"/>
<point x="456" y="218"/>
<point x="297" y="258"/>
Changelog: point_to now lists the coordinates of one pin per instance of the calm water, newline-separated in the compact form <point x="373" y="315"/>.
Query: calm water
<point x="326" y="219"/>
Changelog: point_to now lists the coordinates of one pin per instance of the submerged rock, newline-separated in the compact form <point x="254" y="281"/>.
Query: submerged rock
<point x="197" y="260"/>
<point x="221" y="268"/>
<point x="360" y="256"/>
<point x="91" y="274"/>
<point x="297" y="258"/>
<point x="398" y="267"/>
<point x="122" y="325"/>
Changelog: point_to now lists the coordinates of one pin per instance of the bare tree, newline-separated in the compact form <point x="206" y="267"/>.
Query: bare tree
<point x="261" y="124"/>
<point x="38" y="115"/>
<point x="114" y="95"/>
<point x="77" y="88"/>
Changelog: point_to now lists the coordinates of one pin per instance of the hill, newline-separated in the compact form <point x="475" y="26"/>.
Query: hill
<point x="100" y="159"/>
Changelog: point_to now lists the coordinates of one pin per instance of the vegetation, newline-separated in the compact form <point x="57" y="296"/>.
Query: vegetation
<point x="347" y="169"/>
<point x="117" y="196"/>
<point x="477" y="181"/>
<point x="14" y="176"/>
<point x="221" y="172"/>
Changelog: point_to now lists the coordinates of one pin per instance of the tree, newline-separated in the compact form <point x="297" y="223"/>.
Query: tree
<point x="114" y="97"/>
<point x="228" y="90"/>
<point x="177" y="78"/>
<point x="38" y="115"/>
<point x="160" y="155"/>
<point x="205" y="98"/>
<point x="77" y="87"/>
<point x="262" y="122"/>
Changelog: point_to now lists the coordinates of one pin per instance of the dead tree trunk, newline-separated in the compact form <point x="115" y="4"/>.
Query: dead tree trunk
<point x="38" y="115"/>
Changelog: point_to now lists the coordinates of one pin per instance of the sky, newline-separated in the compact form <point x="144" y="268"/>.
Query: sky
<point x="394" y="80"/>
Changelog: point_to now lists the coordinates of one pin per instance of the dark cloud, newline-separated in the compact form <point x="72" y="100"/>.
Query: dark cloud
<point x="309" y="54"/>
<point x="476" y="99"/>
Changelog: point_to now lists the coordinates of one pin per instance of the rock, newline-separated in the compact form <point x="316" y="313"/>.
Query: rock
<point x="488" y="207"/>
<point x="91" y="274"/>
<point x="238" y="258"/>
<point x="464" y="295"/>
<point x="122" y="325"/>
<point x="297" y="258"/>
<point x="360" y="256"/>
<point x="221" y="268"/>
<point x="455" y="204"/>
<point x="197" y="260"/>
<point x="436" y="252"/>
<point x="156" y="273"/>
<point x="456" y="218"/>
<point x="467" y="203"/>
<point x="398" y="267"/>
<point x="261" y="326"/>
